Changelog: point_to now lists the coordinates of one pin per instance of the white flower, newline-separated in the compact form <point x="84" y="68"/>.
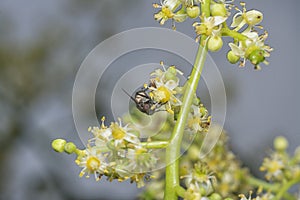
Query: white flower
<point x="243" y="17"/>
<point x="123" y="134"/>
<point x="254" y="42"/>
<point x="92" y="162"/>
<point x="164" y="87"/>
<point x="198" y="119"/>
<point x="168" y="8"/>
<point x="274" y="167"/>
<point x="116" y="134"/>
<point x="139" y="159"/>
<point x="209" y="26"/>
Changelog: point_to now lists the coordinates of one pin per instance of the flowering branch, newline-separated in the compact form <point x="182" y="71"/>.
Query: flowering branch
<point x="117" y="151"/>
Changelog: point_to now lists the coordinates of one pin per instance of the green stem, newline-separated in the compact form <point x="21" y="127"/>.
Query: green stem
<point x="234" y="34"/>
<point x="273" y="187"/>
<point x="155" y="144"/>
<point x="285" y="187"/>
<point x="205" y="7"/>
<point x="173" y="150"/>
<point x="180" y="191"/>
<point x="260" y="183"/>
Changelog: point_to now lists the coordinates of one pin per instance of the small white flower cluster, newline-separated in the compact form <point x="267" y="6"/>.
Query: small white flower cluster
<point x="253" y="48"/>
<point x="163" y="87"/>
<point x="248" y="44"/>
<point x="177" y="10"/>
<point x="166" y="94"/>
<point x="117" y="153"/>
<point x="279" y="166"/>
<point x="199" y="182"/>
<point x="199" y="119"/>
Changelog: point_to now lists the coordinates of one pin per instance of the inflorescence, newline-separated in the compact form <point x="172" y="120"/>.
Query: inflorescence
<point x="245" y="29"/>
<point x="117" y="151"/>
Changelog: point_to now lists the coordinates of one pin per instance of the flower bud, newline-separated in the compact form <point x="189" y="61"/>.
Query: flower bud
<point x="280" y="143"/>
<point x="193" y="153"/>
<point x="215" y="43"/>
<point x="215" y="196"/>
<point x="232" y="58"/>
<point x="218" y="9"/>
<point x="70" y="148"/>
<point x="256" y="56"/>
<point x="59" y="145"/>
<point x="253" y="17"/>
<point x="193" y="12"/>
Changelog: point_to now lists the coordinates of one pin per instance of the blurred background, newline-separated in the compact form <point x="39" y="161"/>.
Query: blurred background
<point x="42" y="46"/>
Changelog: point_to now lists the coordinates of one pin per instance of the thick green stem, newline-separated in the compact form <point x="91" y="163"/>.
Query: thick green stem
<point x="205" y="7"/>
<point x="285" y="187"/>
<point x="173" y="150"/>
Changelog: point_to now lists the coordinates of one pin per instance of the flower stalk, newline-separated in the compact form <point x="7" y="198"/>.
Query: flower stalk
<point x="155" y="144"/>
<point x="173" y="150"/>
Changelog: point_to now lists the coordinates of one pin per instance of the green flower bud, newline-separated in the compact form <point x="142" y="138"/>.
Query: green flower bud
<point x="253" y="17"/>
<point x="59" y="145"/>
<point x="193" y="12"/>
<point x="256" y="56"/>
<point x="215" y="196"/>
<point x="193" y="153"/>
<point x="232" y="58"/>
<point x="70" y="148"/>
<point x="218" y="9"/>
<point x="280" y="143"/>
<point x="215" y="43"/>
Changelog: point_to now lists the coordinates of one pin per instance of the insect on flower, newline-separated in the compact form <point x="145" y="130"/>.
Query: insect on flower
<point x="143" y="100"/>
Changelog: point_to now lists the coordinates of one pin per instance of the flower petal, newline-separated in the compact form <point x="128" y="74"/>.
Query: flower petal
<point x="237" y="19"/>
